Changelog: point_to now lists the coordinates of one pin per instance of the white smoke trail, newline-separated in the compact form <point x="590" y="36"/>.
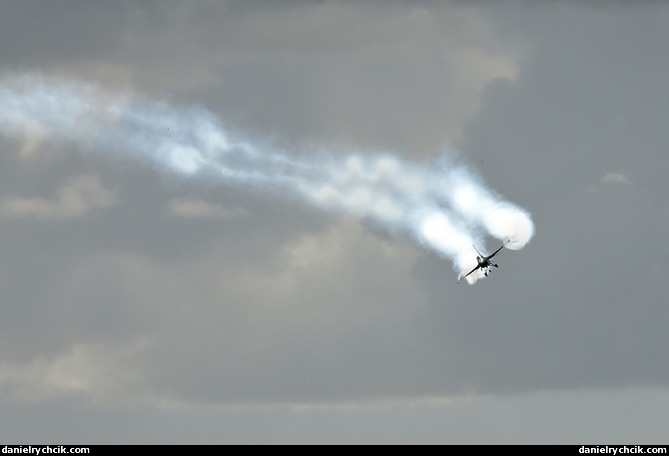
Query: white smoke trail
<point x="443" y="206"/>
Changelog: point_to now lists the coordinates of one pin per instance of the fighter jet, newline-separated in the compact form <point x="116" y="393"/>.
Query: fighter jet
<point x="484" y="262"/>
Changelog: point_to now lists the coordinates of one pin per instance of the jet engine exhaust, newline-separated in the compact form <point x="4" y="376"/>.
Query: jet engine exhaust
<point x="442" y="206"/>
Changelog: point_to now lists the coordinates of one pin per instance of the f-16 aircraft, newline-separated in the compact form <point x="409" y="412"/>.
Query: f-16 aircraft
<point x="484" y="262"/>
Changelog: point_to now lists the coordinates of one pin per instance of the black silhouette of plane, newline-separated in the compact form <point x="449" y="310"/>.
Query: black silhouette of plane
<point x="484" y="262"/>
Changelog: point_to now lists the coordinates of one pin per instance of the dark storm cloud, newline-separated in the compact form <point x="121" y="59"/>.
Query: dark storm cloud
<point x="589" y="101"/>
<point x="36" y="33"/>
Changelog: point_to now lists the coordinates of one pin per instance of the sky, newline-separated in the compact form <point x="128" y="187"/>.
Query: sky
<point x="143" y="303"/>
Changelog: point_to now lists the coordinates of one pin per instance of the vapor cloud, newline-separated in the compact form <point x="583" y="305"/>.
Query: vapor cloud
<point x="444" y="206"/>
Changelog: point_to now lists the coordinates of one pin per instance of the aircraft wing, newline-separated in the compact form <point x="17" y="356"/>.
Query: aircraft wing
<point x="497" y="251"/>
<point x="469" y="273"/>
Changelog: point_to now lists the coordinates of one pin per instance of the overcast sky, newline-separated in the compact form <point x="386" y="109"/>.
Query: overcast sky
<point x="139" y="308"/>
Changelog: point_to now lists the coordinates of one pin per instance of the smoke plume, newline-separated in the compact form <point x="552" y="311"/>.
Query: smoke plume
<point x="443" y="206"/>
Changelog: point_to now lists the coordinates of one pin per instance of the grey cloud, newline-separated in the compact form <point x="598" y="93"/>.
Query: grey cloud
<point x="74" y="198"/>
